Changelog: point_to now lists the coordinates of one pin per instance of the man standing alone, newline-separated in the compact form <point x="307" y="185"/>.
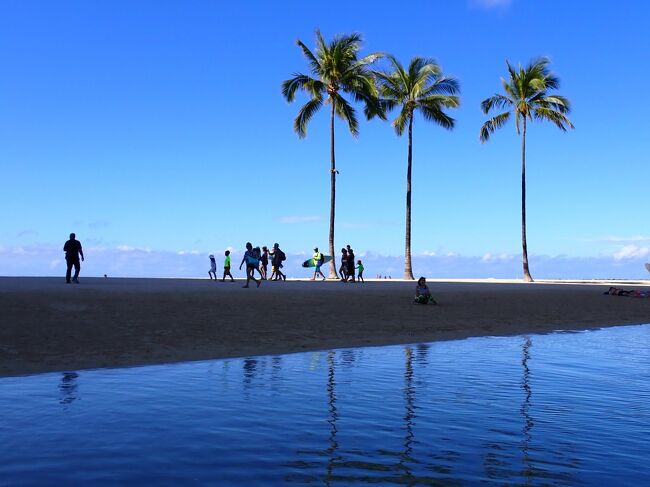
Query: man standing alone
<point x="72" y="249"/>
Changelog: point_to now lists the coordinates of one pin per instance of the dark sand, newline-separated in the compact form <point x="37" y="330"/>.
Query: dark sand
<point x="47" y="325"/>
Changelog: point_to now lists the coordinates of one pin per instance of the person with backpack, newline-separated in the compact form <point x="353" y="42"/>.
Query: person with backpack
<point x="277" y="257"/>
<point x="319" y="260"/>
<point x="252" y="261"/>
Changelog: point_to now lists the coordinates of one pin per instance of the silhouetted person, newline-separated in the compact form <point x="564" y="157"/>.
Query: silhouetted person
<point x="350" y="264"/>
<point x="72" y="249"/>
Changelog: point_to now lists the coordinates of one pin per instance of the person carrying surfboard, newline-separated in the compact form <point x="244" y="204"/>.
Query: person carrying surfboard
<point x="319" y="259"/>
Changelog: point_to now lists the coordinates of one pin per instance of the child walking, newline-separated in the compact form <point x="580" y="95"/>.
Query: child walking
<point x="226" y="268"/>
<point x="360" y="273"/>
<point x="213" y="268"/>
<point x="422" y="293"/>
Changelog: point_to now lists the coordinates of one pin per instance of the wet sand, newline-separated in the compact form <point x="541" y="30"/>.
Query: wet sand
<point x="47" y="325"/>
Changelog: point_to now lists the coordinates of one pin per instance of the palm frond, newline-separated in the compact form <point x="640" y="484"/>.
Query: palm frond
<point x="439" y="101"/>
<point x="305" y="114"/>
<point x="498" y="101"/>
<point x="442" y="85"/>
<point x="299" y="81"/>
<point x="346" y="112"/>
<point x="314" y="63"/>
<point x="558" y="118"/>
<point x="399" y="124"/>
<point x="433" y="113"/>
<point x="556" y="102"/>
<point x="492" y="125"/>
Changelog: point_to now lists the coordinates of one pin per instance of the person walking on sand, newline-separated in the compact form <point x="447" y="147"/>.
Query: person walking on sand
<point x="343" y="270"/>
<point x="277" y="257"/>
<point x="226" y="268"/>
<point x="252" y="262"/>
<point x="350" y="263"/>
<point x="360" y="273"/>
<point x="264" y="262"/>
<point x="73" y="250"/>
<point x="422" y="293"/>
<point x="319" y="259"/>
<point x="213" y="267"/>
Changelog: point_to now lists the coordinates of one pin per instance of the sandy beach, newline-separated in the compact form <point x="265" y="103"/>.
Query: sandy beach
<point x="47" y="325"/>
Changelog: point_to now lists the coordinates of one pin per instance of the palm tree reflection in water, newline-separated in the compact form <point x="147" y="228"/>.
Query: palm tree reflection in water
<point x="525" y="410"/>
<point x="68" y="388"/>
<point x="409" y="414"/>
<point x="333" y="416"/>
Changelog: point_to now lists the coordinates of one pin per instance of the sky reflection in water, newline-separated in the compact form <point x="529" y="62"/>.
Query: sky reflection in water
<point x="561" y="409"/>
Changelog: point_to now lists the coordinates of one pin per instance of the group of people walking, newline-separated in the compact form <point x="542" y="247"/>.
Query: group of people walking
<point x="348" y="266"/>
<point x="256" y="260"/>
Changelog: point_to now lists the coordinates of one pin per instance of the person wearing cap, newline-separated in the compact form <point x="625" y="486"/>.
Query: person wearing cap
<point x="318" y="260"/>
<point x="72" y="249"/>
<point x="277" y="257"/>
<point x="213" y="267"/>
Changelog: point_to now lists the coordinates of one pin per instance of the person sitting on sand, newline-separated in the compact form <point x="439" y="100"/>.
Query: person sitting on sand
<point x="422" y="293"/>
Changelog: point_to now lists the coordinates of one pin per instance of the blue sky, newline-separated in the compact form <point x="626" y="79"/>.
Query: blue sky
<point x="157" y="132"/>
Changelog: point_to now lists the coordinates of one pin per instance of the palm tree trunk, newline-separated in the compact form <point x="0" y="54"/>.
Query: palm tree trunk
<point x="408" y="270"/>
<point x="332" y="274"/>
<point x="524" y="246"/>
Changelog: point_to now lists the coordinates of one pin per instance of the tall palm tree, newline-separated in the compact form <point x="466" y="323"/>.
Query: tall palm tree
<point x="422" y="88"/>
<point x="527" y="96"/>
<point x="336" y="69"/>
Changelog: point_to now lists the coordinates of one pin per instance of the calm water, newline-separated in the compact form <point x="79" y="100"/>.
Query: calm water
<point x="561" y="409"/>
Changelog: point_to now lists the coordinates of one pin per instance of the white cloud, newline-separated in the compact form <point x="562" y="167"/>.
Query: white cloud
<point x="128" y="248"/>
<point x="489" y="257"/>
<point x="614" y="239"/>
<point x="632" y="252"/>
<point x="189" y="252"/>
<point x="299" y="219"/>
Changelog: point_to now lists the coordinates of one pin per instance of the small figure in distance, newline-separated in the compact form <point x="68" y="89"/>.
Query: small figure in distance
<point x="277" y="257"/>
<point x="319" y="259"/>
<point x="343" y="270"/>
<point x="257" y="253"/>
<point x="252" y="262"/>
<point x="72" y="249"/>
<point x="350" y="262"/>
<point x="213" y="267"/>
<point x="360" y="273"/>
<point x="264" y="262"/>
<point x="226" y="268"/>
<point x="422" y="293"/>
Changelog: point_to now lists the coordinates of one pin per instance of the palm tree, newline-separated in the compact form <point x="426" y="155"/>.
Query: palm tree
<point x="421" y="87"/>
<point x="336" y="69"/>
<point x="527" y="96"/>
